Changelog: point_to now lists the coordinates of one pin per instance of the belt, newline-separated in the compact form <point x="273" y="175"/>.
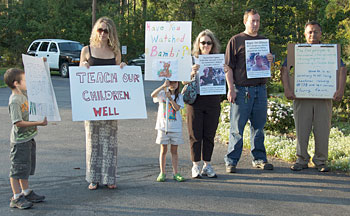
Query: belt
<point x="256" y="85"/>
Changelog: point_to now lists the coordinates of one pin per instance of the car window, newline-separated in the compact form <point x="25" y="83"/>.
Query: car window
<point x="53" y="47"/>
<point x="34" y="46"/>
<point x="70" y="46"/>
<point x="43" y="46"/>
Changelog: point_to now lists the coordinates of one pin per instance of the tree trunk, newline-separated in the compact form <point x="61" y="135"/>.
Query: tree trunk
<point x="93" y="12"/>
<point x="144" y="9"/>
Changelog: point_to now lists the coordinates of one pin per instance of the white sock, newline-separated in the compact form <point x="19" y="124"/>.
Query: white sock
<point x="196" y="163"/>
<point x="26" y="191"/>
<point x="16" y="196"/>
<point x="206" y="163"/>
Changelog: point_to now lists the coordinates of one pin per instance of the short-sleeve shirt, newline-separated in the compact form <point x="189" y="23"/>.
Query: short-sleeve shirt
<point x="175" y="118"/>
<point x="235" y="59"/>
<point x="19" y="111"/>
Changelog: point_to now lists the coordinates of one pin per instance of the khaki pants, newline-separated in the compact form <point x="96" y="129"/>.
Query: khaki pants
<point x="312" y="114"/>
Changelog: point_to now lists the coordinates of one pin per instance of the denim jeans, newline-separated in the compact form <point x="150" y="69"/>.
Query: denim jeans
<point x="250" y="104"/>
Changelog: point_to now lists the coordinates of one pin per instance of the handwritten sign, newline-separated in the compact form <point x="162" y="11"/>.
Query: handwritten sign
<point x="315" y="70"/>
<point x="168" y="51"/>
<point x="257" y="64"/>
<point x="106" y="93"/>
<point x="41" y="96"/>
<point x="211" y="74"/>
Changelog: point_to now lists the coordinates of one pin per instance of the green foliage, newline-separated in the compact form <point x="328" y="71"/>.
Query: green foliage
<point x="281" y="21"/>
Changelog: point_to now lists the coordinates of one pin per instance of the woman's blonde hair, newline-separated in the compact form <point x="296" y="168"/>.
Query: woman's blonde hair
<point x="215" y="47"/>
<point x="113" y="41"/>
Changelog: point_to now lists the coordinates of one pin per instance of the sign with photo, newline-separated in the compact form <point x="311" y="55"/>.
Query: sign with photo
<point x="212" y="80"/>
<point x="257" y="64"/>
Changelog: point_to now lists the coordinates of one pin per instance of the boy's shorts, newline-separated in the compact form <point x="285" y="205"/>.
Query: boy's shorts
<point x="173" y="138"/>
<point x="22" y="158"/>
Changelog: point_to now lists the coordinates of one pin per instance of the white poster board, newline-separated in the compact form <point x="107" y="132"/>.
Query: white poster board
<point x="315" y="70"/>
<point x="257" y="64"/>
<point x="106" y="93"/>
<point x="41" y="95"/>
<point x="168" y="51"/>
<point x="212" y="80"/>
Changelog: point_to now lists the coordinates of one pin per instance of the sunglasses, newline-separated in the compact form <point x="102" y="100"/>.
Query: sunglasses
<point x="206" y="42"/>
<point x="100" y="30"/>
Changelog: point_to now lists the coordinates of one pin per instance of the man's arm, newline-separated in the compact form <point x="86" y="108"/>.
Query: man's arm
<point x="229" y="66"/>
<point x="285" y="81"/>
<point x="338" y="95"/>
<point x="231" y="94"/>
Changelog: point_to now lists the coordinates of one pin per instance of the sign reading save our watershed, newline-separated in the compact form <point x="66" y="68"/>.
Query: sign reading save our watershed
<point x="168" y="51"/>
<point x="315" y="70"/>
<point x="41" y="96"/>
<point x="106" y="93"/>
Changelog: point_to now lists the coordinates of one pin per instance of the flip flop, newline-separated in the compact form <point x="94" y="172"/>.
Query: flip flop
<point x="112" y="186"/>
<point x="93" y="186"/>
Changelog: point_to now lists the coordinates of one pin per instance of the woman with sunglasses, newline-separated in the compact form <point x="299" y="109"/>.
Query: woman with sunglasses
<point x="101" y="136"/>
<point x="203" y="114"/>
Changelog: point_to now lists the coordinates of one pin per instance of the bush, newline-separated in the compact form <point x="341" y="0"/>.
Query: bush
<point x="279" y="116"/>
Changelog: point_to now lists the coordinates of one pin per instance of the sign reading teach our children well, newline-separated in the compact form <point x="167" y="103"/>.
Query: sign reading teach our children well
<point x="168" y="50"/>
<point x="106" y="93"/>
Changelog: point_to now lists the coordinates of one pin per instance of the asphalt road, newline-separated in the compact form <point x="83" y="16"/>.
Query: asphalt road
<point x="60" y="175"/>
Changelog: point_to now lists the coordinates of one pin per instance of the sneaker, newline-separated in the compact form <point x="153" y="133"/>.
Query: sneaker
<point x="178" y="177"/>
<point x="196" y="171"/>
<point x="34" y="198"/>
<point x="161" y="177"/>
<point x="20" y="203"/>
<point x="322" y="168"/>
<point x="298" y="167"/>
<point x="230" y="168"/>
<point x="208" y="171"/>
<point x="260" y="164"/>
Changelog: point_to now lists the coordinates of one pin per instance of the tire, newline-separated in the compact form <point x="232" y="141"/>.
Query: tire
<point x="64" y="70"/>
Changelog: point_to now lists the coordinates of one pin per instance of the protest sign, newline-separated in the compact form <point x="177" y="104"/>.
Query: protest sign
<point x="257" y="64"/>
<point x="168" y="51"/>
<point x="106" y="93"/>
<point x="315" y="70"/>
<point x="211" y="74"/>
<point x="41" y="96"/>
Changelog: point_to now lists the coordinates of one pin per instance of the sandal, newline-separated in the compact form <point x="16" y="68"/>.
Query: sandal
<point x="178" y="177"/>
<point x="112" y="186"/>
<point x="161" y="177"/>
<point x="93" y="186"/>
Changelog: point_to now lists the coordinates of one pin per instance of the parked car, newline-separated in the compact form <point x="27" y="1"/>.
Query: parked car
<point x="140" y="61"/>
<point x="60" y="53"/>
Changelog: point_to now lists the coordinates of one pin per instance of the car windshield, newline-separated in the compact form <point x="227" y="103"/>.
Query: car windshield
<point x="69" y="46"/>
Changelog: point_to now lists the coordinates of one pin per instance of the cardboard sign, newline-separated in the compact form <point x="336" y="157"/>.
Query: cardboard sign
<point x="41" y="96"/>
<point x="168" y="51"/>
<point x="106" y="93"/>
<point x="315" y="69"/>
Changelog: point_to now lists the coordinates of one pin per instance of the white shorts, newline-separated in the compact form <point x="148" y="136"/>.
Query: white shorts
<point x="174" y="138"/>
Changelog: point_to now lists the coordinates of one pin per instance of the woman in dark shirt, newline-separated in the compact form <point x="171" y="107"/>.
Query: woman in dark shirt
<point x="101" y="136"/>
